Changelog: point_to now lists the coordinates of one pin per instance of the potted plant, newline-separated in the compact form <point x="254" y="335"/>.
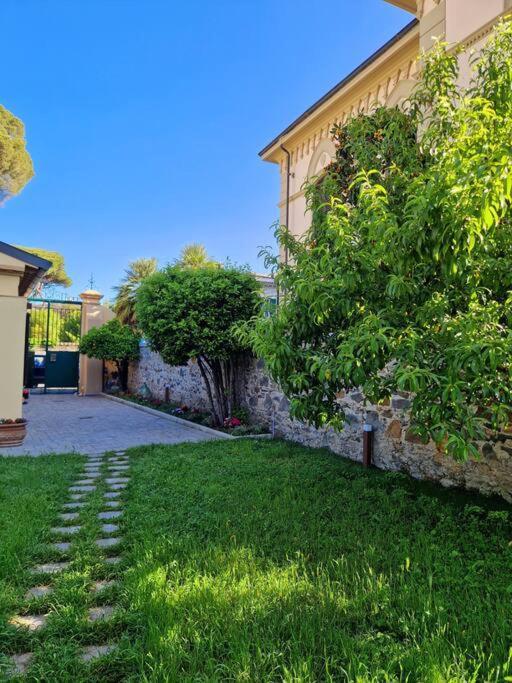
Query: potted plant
<point x="12" y="432"/>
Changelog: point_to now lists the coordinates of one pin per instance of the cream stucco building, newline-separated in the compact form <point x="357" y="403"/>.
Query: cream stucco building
<point x="387" y="77"/>
<point x="19" y="274"/>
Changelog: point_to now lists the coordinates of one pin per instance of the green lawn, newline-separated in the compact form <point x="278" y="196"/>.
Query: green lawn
<point x="265" y="561"/>
<point x="30" y="490"/>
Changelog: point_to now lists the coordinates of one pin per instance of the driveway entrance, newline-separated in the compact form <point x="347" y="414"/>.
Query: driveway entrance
<point x="93" y="424"/>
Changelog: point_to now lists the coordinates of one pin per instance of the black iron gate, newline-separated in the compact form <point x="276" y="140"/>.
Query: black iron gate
<point x="53" y="336"/>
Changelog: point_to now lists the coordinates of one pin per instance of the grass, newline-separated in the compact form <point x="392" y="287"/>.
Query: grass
<point x="32" y="493"/>
<point x="30" y="490"/>
<point x="261" y="561"/>
<point x="266" y="561"/>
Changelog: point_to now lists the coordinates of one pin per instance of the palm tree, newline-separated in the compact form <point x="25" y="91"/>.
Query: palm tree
<point x="137" y="271"/>
<point x="195" y="256"/>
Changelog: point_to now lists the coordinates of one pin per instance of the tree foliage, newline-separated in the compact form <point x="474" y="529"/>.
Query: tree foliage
<point x="189" y="314"/>
<point x="195" y="256"/>
<point x="404" y="280"/>
<point x="54" y="326"/>
<point x="56" y="275"/>
<point x="137" y="271"/>
<point x="115" y="342"/>
<point x="16" y="167"/>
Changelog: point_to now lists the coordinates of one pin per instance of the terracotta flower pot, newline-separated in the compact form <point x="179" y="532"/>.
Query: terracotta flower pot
<point x="12" y="434"/>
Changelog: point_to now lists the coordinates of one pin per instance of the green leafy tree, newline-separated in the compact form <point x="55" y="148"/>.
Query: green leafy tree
<point x="60" y="326"/>
<point x="135" y="274"/>
<point x="189" y="314"/>
<point x="16" y="167"/>
<point x="195" y="256"/>
<point x="404" y="280"/>
<point x="56" y="276"/>
<point x="114" y="342"/>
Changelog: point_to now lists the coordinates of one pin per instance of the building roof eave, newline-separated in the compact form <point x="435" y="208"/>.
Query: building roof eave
<point x="35" y="266"/>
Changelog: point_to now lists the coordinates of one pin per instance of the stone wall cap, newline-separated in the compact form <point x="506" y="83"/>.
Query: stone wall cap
<point x="91" y="295"/>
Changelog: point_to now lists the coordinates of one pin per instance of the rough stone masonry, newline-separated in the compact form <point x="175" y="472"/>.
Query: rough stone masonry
<point x="396" y="448"/>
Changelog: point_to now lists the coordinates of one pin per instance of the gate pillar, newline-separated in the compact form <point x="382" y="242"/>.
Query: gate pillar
<point x="94" y="314"/>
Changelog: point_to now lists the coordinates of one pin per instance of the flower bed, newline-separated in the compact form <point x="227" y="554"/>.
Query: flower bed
<point x="236" y="425"/>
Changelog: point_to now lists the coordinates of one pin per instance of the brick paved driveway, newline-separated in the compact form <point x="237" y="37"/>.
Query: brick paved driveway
<point x="93" y="424"/>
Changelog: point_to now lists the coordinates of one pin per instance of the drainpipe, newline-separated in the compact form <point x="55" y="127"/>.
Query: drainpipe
<point x="288" y="158"/>
<point x="367" y="445"/>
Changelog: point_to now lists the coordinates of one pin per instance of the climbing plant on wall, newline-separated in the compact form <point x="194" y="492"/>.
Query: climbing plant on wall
<point x="404" y="280"/>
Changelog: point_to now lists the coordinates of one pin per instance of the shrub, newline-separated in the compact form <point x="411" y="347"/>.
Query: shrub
<point x="404" y="280"/>
<point x="115" y="342"/>
<point x="189" y="314"/>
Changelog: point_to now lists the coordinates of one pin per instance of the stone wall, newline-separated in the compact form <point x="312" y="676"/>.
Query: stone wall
<point x="395" y="447"/>
<point x="185" y="383"/>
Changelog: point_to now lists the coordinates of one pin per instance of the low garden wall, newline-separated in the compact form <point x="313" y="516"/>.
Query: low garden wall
<point x="396" y="448"/>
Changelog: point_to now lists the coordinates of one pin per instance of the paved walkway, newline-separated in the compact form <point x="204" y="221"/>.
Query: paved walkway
<point x="92" y="424"/>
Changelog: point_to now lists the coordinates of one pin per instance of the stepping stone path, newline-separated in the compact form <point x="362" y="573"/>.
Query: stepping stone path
<point x="66" y="530"/>
<point x="94" y="651"/>
<point x="38" y="592"/>
<point x="50" y="568"/>
<point x="99" y="586"/>
<point x="67" y="516"/>
<point x="115" y="480"/>
<point x="111" y="514"/>
<point x="32" y="622"/>
<point x="20" y="663"/>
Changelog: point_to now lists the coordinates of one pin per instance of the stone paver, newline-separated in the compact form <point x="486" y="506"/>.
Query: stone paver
<point x="117" y="487"/>
<point x="38" y="592"/>
<point x="109" y="528"/>
<point x="117" y="480"/>
<point x="82" y="489"/>
<point x="69" y="516"/>
<point x="112" y="560"/>
<point x="65" y="530"/>
<point x="111" y="494"/>
<point x="107" y="542"/>
<point x="32" y="622"/>
<point x="20" y="663"/>
<point x="111" y="503"/>
<point x="74" y="505"/>
<point x="111" y="514"/>
<point x="99" y="586"/>
<point x="77" y="496"/>
<point x="63" y="547"/>
<point x="91" y="652"/>
<point x="99" y="613"/>
<point x="50" y="568"/>
<point x="56" y="426"/>
<point x="118" y="468"/>
<point x="85" y="482"/>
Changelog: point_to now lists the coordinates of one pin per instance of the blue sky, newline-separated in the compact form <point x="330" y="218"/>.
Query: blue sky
<point x="144" y="119"/>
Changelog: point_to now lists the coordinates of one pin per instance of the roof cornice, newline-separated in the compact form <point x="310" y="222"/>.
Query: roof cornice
<point x="407" y="5"/>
